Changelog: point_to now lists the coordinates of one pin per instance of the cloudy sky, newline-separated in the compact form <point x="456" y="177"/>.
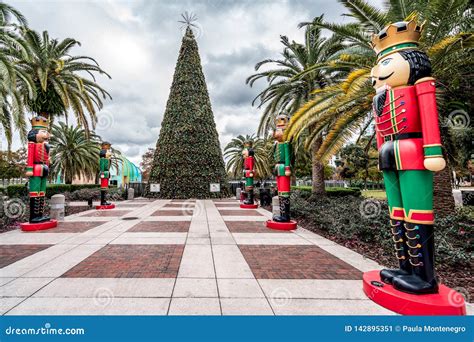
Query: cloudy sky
<point x="137" y="43"/>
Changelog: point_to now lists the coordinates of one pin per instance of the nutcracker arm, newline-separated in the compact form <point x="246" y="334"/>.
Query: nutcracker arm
<point x="30" y="157"/>
<point x="425" y="91"/>
<point x="287" y="154"/>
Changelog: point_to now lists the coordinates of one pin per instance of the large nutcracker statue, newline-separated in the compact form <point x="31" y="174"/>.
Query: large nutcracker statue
<point x="104" y="174"/>
<point x="37" y="169"/>
<point x="409" y="144"/>
<point x="283" y="166"/>
<point x="249" y="174"/>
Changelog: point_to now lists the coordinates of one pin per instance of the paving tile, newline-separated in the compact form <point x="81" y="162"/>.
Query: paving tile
<point x="123" y="240"/>
<point x="296" y="262"/>
<point x="161" y="226"/>
<point x="245" y="306"/>
<point x="106" y="213"/>
<point x="12" y="253"/>
<point x="23" y="287"/>
<point x="105" y="305"/>
<point x="7" y="304"/>
<point x="195" y="306"/>
<point x="195" y="287"/>
<point x="130" y="261"/>
<point x="289" y="306"/>
<point x="61" y="264"/>
<point x="70" y="227"/>
<point x="104" y="287"/>
<point x="198" y="241"/>
<point x="246" y="212"/>
<point x="251" y="227"/>
<point x="163" y="212"/>
<point x="312" y="288"/>
<point x="24" y="238"/>
<point x="230" y="263"/>
<point x="239" y="288"/>
<point x="180" y="205"/>
<point x="197" y="262"/>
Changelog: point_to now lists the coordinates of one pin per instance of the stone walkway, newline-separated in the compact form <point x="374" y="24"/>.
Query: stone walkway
<point x="179" y="258"/>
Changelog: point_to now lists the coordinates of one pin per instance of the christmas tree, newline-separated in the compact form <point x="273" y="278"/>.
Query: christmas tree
<point x="188" y="156"/>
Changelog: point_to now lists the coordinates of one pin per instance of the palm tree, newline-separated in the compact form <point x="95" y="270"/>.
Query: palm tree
<point x="73" y="153"/>
<point x="343" y="108"/>
<point x="57" y="76"/>
<point x="11" y="100"/>
<point x="286" y="92"/>
<point x="235" y="162"/>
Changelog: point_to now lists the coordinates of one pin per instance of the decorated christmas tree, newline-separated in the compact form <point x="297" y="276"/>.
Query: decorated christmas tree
<point x="188" y="157"/>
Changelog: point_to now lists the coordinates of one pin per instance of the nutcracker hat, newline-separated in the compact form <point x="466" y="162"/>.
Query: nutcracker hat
<point x="39" y="122"/>
<point x="395" y="37"/>
<point x="105" y="144"/>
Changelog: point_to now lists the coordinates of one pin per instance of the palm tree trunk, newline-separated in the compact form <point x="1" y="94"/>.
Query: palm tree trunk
<point x="317" y="169"/>
<point x="443" y="193"/>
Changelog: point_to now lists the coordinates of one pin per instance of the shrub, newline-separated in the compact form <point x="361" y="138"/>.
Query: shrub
<point x="357" y="219"/>
<point x="21" y="190"/>
<point x="331" y="192"/>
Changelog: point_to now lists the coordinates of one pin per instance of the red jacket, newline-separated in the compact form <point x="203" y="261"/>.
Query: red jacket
<point x="249" y="165"/>
<point x="38" y="156"/>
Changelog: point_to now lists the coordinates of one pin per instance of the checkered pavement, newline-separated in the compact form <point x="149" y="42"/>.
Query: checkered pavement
<point x="178" y="257"/>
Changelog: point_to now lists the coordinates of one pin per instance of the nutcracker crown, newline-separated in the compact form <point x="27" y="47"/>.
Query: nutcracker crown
<point x="397" y="36"/>
<point x="39" y="122"/>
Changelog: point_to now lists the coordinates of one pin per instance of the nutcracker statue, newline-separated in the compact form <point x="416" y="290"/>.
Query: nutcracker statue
<point x="409" y="144"/>
<point x="37" y="169"/>
<point x="104" y="174"/>
<point x="249" y="173"/>
<point x="284" y="160"/>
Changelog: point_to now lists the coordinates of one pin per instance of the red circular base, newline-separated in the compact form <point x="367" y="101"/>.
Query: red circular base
<point x="445" y="302"/>
<point x="282" y="225"/>
<point x="101" y="207"/>
<point x="249" y="206"/>
<point x="30" y="227"/>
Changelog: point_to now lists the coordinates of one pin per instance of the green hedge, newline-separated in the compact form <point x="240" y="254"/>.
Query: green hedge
<point x="20" y="190"/>
<point x="331" y="192"/>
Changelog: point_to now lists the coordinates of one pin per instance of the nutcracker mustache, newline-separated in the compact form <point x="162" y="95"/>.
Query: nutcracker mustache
<point x="383" y="78"/>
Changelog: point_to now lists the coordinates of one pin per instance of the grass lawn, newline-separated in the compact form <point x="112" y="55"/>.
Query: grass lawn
<point x="379" y="194"/>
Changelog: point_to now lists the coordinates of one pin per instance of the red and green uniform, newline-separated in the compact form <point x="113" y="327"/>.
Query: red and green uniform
<point x="283" y="164"/>
<point x="407" y="131"/>
<point x="38" y="163"/>
<point x="104" y="167"/>
<point x="249" y="165"/>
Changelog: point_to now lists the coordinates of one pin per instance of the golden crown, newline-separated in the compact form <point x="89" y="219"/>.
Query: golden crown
<point x="397" y="36"/>
<point x="39" y="122"/>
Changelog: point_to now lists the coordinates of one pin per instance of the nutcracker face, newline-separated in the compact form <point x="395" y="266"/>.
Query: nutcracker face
<point x="42" y="136"/>
<point x="392" y="71"/>
<point x="245" y="153"/>
<point x="281" y="125"/>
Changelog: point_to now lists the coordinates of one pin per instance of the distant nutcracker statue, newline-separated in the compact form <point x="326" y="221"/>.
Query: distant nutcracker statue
<point x="104" y="174"/>
<point x="37" y="169"/>
<point x="409" y="144"/>
<point x="283" y="166"/>
<point x="249" y="174"/>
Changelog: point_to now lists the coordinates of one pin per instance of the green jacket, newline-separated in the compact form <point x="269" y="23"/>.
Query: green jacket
<point x="282" y="158"/>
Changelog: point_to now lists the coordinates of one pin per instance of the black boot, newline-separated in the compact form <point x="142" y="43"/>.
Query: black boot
<point x="401" y="252"/>
<point x="43" y="217"/>
<point x="284" y="210"/>
<point x="249" y="199"/>
<point x="35" y="210"/>
<point x="102" y="198"/>
<point x="420" y="242"/>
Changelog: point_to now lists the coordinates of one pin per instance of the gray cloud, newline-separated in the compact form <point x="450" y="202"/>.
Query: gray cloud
<point x="138" y="42"/>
